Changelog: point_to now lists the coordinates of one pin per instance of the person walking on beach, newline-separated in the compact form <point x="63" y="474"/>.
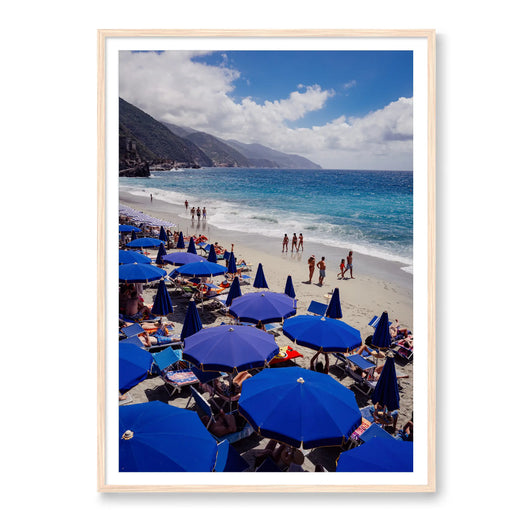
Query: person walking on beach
<point x="312" y="263"/>
<point x="193" y="213"/>
<point x="198" y="213"/>
<point x="300" y="243"/>
<point x="151" y="197"/>
<point x="186" y="205"/>
<point x="294" y="242"/>
<point x="322" y="267"/>
<point x="285" y="243"/>
<point x="342" y="269"/>
<point x="204" y="212"/>
<point x="349" y="264"/>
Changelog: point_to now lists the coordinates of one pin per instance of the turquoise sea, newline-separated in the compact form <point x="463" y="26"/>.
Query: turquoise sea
<point x="370" y="212"/>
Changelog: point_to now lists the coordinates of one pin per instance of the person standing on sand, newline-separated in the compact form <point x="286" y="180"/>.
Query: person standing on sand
<point x="312" y="263"/>
<point x="294" y="242"/>
<point x="342" y="269"/>
<point x="322" y="267"/>
<point x="151" y="197"/>
<point x="300" y="242"/>
<point x="349" y="264"/>
<point x="285" y="243"/>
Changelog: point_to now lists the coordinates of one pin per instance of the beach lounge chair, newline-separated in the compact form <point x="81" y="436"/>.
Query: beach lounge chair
<point x="375" y="320"/>
<point x="362" y="371"/>
<point x="132" y="330"/>
<point x="176" y="380"/>
<point x="167" y="358"/>
<point x="203" y="405"/>
<point x="273" y="328"/>
<point x="317" y="308"/>
<point x="404" y="352"/>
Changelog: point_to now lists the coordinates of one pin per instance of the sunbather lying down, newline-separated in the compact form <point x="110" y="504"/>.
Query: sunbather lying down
<point x="222" y="424"/>
<point x="281" y="453"/>
<point x="224" y="389"/>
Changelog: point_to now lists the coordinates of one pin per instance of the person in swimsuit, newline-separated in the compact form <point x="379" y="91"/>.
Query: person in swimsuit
<point x="186" y="205"/>
<point x="204" y="212"/>
<point x="312" y="263"/>
<point x="294" y="242"/>
<point x="300" y="242"/>
<point x="285" y="243"/>
<point x="192" y="212"/>
<point x="342" y="269"/>
<point x="349" y="264"/>
<point x="198" y="213"/>
<point x="321" y="267"/>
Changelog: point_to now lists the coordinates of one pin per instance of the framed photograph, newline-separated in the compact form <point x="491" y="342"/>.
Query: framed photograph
<point x="270" y="323"/>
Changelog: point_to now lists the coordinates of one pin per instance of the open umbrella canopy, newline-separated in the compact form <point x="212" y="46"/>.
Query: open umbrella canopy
<point x="321" y="333"/>
<point x="155" y="436"/>
<point x="212" y="255"/>
<point x="234" y="292"/>
<point x="381" y="337"/>
<point x="229" y="348"/>
<point x="160" y="254"/>
<point x="260" y="282"/>
<point x="140" y="273"/>
<point x="265" y="306"/>
<point x="162" y="304"/>
<point x="180" y="242"/>
<point x="201" y="268"/>
<point x="334" y="308"/>
<point x="386" y="392"/>
<point x="125" y="228"/>
<point x="299" y="407"/>
<point x="133" y="257"/>
<point x="192" y="323"/>
<point x="232" y="264"/>
<point x="289" y="288"/>
<point x="144" y="242"/>
<point x="134" y="365"/>
<point x="162" y="235"/>
<point x="379" y="454"/>
<point x="181" y="258"/>
<point x="191" y="247"/>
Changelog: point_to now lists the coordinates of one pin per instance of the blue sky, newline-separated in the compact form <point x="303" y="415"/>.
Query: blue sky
<point x="340" y="109"/>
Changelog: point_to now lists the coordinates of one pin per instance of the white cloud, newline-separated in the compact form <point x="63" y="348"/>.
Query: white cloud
<point x="350" y="84"/>
<point x="171" y="87"/>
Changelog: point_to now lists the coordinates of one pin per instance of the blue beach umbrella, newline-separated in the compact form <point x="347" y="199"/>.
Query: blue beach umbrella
<point x="125" y="228"/>
<point x="386" y="392"/>
<point x="162" y="304"/>
<point x="260" y="282"/>
<point x="191" y="247"/>
<point x="155" y="436"/>
<point x="228" y="459"/>
<point x="212" y="255"/>
<point x="144" y="242"/>
<point x="379" y="454"/>
<point x="230" y="348"/>
<point x="140" y="273"/>
<point x="381" y="337"/>
<point x="266" y="307"/>
<point x="202" y="268"/>
<point x="334" y="308"/>
<point x="289" y="288"/>
<point x="134" y="365"/>
<point x="162" y="235"/>
<point x="321" y="333"/>
<point x="133" y="257"/>
<point x="192" y="323"/>
<point x="234" y="292"/>
<point x="160" y="254"/>
<point x="180" y="242"/>
<point x="232" y="264"/>
<point x="299" y="407"/>
<point x="181" y="258"/>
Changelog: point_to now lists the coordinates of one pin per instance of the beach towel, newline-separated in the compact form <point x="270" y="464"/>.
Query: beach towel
<point x="285" y="354"/>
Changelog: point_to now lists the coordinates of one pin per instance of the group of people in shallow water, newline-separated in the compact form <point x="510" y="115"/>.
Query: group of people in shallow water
<point x="297" y="243"/>
<point x="199" y="212"/>
<point x="321" y="265"/>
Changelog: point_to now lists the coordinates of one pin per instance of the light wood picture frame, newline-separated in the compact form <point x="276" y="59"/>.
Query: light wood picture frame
<point x="422" y="43"/>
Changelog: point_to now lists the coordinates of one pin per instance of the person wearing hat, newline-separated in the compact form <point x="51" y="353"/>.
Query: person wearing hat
<point x="312" y="265"/>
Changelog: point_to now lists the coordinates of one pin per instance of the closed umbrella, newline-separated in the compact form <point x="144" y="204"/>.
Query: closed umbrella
<point x="133" y="257"/>
<point x="267" y="307"/>
<point x="378" y="454"/>
<point x="289" y="288"/>
<point x="162" y="304"/>
<point x="160" y="254"/>
<point x="192" y="323"/>
<point x="140" y="273"/>
<point x="212" y="255"/>
<point x="299" y="407"/>
<point x="202" y="268"/>
<point x="260" y="282"/>
<point x="386" y="392"/>
<point x="144" y="242"/>
<point x="180" y="242"/>
<point x="322" y="334"/>
<point x="181" y="258"/>
<point x="234" y="292"/>
<point x="162" y="235"/>
<point x="334" y="308"/>
<point x="230" y="348"/>
<point x="381" y="337"/>
<point x="157" y="437"/>
<point x="232" y="264"/>
<point x="134" y="365"/>
<point x="191" y="247"/>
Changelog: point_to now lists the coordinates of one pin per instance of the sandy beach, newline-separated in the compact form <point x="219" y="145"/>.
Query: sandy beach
<point x="378" y="286"/>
